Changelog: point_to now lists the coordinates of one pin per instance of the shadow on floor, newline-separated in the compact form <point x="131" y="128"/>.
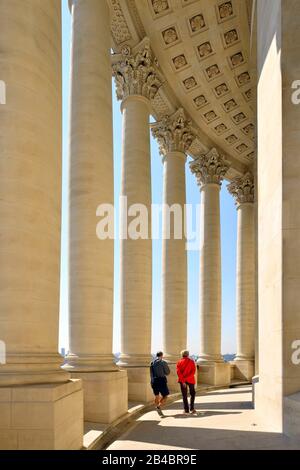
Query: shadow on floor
<point x="203" y="414"/>
<point x="235" y="405"/>
<point x="151" y="433"/>
<point x="233" y="392"/>
<point x="194" y="433"/>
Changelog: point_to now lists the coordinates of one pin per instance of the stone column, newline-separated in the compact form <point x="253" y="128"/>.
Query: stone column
<point x="175" y="136"/>
<point x="242" y="190"/>
<point x="210" y="170"/>
<point x="278" y="175"/>
<point x="30" y="213"/>
<point x="136" y="83"/>
<point x="91" y="259"/>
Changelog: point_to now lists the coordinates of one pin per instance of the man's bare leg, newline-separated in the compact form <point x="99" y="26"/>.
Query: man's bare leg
<point x="158" y="404"/>
<point x="162" y="401"/>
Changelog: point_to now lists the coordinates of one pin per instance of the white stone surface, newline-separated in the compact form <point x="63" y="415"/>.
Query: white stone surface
<point x="42" y="417"/>
<point x="174" y="258"/>
<point x="242" y="190"/>
<point x="278" y="208"/>
<point x="225" y="420"/>
<point x="105" y="396"/>
<point x="30" y="191"/>
<point x="175" y="136"/>
<point x="210" y="169"/>
<point x="47" y="416"/>
<point x="136" y="255"/>
<point x="215" y="373"/>
<point x="139" y="387"/>
<point x="245" y="283"/>
<point x="137" y="83"/>
<point x="210" y="274"/>
<point x="91" y="184"/>
<point x="40" y="408"/>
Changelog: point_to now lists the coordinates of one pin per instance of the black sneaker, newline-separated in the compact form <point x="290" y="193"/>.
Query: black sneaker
<point x="158" y="409"/>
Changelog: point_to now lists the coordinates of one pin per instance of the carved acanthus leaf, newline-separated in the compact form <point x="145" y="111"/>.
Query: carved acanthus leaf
<point x="209" y="168"/>
<point x="174" y="133"/>
<point x="135" y="73"/>
<point x="242" y="189"/>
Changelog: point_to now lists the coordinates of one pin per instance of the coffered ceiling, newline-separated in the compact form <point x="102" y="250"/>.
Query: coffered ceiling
<point x="202" y="50"/>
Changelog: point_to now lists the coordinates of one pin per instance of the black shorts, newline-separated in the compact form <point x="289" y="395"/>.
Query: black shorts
<point x="160" y="386"/>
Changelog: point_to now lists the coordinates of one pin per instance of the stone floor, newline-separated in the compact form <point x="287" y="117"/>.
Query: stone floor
<point x="225" y="420"/>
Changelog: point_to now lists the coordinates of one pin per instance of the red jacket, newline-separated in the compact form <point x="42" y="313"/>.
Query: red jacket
<point x="186" y="369"/>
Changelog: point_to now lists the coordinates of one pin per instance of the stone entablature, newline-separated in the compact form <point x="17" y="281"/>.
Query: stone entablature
<point x="210" y="168"/>
<point x="209" y="81"/>
<point x="242" y="189"/>
<point x="174" y="133"/>
<point x="135" y="72"/>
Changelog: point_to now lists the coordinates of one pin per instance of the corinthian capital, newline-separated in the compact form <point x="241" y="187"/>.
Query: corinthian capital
<point x="135" y="73"/>
<point x="174" y="133"/>
<point x="209" y="168"/>
<point x="242" y="189"/>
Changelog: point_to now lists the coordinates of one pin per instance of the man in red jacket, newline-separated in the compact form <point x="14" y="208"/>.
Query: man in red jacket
<point x="186" y="369"/>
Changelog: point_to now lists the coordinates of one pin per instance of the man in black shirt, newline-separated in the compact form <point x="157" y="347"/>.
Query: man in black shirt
<point x="159" y="370"/>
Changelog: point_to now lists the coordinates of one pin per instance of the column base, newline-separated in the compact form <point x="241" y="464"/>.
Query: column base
<point x="244" y="369"/>
<point x="28" y="369"/>
<point x="214" y="373"/>
<point x="105" y="395"/>
<point x="42" y="417"/>
<point x="134" y="360"/>
<point x="139" y="387"/>
<point x="210" y="358"/>
<point x="90" y="363"/>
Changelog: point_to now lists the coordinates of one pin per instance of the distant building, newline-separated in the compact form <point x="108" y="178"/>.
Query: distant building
<point x="229" y="357"/>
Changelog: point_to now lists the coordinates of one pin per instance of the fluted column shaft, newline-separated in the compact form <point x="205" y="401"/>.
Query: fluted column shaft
<point x="136" y="84"/>
<point x="91" y="184"/>
<point x="242" y="189"/>
<point x="245" y="283"/>
<point x="210" y="170"/>
<point x="174" y="135"/>
<point x="174" y="257"/>
<point x="210" y="274"/>
<point x="136" y="254"/>
<point x="30" y="191"/>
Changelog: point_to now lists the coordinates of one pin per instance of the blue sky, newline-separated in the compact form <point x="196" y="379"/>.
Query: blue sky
<point x="228" y="235"/>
